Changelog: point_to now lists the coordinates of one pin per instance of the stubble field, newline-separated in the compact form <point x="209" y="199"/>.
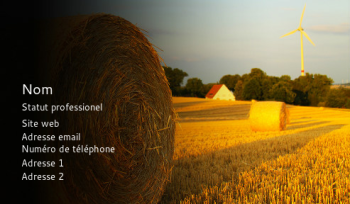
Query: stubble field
<point x="219" y="159"/>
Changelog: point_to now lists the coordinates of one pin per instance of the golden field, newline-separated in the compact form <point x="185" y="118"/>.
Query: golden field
<point x="219" y="159"/>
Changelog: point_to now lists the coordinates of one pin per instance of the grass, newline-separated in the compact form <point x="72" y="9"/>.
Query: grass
<point x="219" y="159"/>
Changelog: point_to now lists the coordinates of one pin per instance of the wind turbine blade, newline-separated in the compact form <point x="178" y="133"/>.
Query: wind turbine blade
<point x="304" y="33"/>
<point x="290" y="33"/>
<point x="301" y="19"/>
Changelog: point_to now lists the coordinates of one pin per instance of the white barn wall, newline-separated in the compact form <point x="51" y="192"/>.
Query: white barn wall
<point x="224" y="94"/>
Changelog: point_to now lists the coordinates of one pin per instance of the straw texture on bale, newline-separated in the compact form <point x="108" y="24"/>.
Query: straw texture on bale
<point x="268" y="116"/>
<point x="106" y="59"/>
<point x="287" y="115"/>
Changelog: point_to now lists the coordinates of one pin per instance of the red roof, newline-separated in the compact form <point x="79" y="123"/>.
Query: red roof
<point x="213" y="91"/>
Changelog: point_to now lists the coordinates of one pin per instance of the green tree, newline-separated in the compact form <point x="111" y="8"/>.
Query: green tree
<point x="282" y="91"/>
<point x="285" y="78"/>
<point x="346" y="91"/>
<point x="266" y="84"/>
<point x="256" y="85"/>
<point x="258" y="73"/>
<point x="230" y="81"/>
<point x="245" y="77"/>
<point x="175" y="78"/>
<point x="274" y="80"/>
<point x="335" y="98"/>
<point x="301" y="98"/>
<point x="301" y="87"/>
<point x="252" y="90"/>
<point x="206" y="88"/>
<point x="311" y="89"/>
<point x="347" y="104"/>
<point x="319" y="88"/>
<point x="239" y="90"/>
<point x="338" y="98"/>
<point x="195" y="86"/>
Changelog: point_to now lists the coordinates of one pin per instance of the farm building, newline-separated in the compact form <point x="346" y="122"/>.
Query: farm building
<point x="220" y="92"/>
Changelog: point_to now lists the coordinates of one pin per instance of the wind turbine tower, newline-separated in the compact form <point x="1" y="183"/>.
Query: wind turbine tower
<point x="302" y="32"/>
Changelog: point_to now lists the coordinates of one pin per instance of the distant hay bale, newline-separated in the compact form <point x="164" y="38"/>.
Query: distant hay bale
<point x="268" y="116"/>
<point x="105" y="59"/>
<point x="253" y="101"/>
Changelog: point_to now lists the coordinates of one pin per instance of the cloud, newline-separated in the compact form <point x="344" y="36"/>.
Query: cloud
<point x="339" y="29"/>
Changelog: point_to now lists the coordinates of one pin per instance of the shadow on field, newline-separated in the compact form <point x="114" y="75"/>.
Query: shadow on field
<point x="305" y="121"/>
<point x="185" y="104"/>
<point x="234" y="112"/>
<point x="191" y="174"/>
<point x="294" y="127"/>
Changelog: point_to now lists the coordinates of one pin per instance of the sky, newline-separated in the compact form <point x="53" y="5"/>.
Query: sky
<point x="209" y="39"/>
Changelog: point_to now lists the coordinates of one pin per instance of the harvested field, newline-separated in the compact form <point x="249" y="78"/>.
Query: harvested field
<point x="195" y="109"/>
<point x="219" y="159"/>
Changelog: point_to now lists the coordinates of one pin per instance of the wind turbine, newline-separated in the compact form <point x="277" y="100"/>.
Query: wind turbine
<point x="302" y="32"/>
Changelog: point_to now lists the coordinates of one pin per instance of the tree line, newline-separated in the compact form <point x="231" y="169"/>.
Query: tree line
<point x="308" y="90"/>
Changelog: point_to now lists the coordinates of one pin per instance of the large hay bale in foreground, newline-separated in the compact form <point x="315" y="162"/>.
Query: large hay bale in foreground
<point x="105" y="59"/>
<point x="268" y="116"/>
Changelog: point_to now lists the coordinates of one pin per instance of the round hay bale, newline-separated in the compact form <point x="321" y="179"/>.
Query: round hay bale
<point x="287" y="115"/>
<point x="105" y="59"/>
<point x="268" y="116"/>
